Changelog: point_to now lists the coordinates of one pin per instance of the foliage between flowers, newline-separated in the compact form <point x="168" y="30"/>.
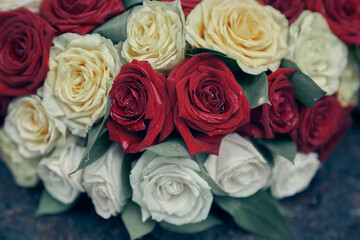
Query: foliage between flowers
<point x="49" y="205"/>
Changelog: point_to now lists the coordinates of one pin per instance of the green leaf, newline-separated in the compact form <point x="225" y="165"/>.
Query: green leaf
<point x="98" y="141"/>
<point x="255" y="86"/>
<point x="174" y="147"/>
<point x="131" y="216"/>
<point x="115" y="29"/>
<point x="131" y="3"/>
<point x="49" y="205"/>
<point x="306" y="90"/>
<point x="281" y="145"/>
<point x="210" y="222"/>
<point x="257" y="214"/>
<point x="264" y="151"/>
<point x="215" y="188"/>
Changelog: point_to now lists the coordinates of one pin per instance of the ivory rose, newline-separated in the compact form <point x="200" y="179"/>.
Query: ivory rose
<point x="239" y="169"/>
<point x="170" y="190"/>
<point x="29" y="126"/>
<point x="155" y="33"/>
<point x="32" y="5"/>
<point x="55" y="171"/>
<point x="288" y="179"/>
<point x="349" y="84"/>
<point x="254" y="35"/>
<point x="102" y="182"/>
<point x="82" y="71"/>
<point x="317" y="51"/>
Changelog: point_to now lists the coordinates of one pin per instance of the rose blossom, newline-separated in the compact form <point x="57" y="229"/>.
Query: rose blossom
<point x="349" y="84"/>
<point x="32" y="5"/>
<point x="282" y="115"/>
<point x="291" y="9"/>
<point x="79" y="16"/>
<point x="208" y="103"/>
<point x="102" y="182"/>
<point x="25" y="42"/>
<point x="170" y="190"/>
<point x="55" y="171"/>
<point x="343" y="17"/>
<point x="140" y="110"/>
<point x="29" y="126"/>
<point x="82" y="71"/>
<point x="322" y="126"/>
<point x="239" y="169"/>
<point x="187" y="5"/>
<point x="317" y="51"/>
<point x="23" y="169"/>
<point x="254" y="35"/>
<point x="155" y="33"/>
<point x="290" y="178"/>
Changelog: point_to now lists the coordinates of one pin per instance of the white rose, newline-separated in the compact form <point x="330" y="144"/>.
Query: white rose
<point x="82" y="71"/>
<point x="317" y="51"/>
<point x="349" y="84"/>
<point x="55" y="171"/>
<point x="30" y="127"/>
<point x="22" y="169"/>
<point x="170" y="190"/>
<point x="239" y="169"/>
<point x="102" y="182"/>
<point x="155" y="33"/>
<point x="289" y="179"/>
<point x="33" y="5"/>
<point x="254" y="35"/>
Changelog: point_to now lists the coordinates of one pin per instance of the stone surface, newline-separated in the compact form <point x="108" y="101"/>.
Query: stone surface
<point x="328" y="209"/>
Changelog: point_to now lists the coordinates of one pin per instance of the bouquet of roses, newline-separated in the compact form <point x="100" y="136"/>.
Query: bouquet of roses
<point x="159" y="110"/>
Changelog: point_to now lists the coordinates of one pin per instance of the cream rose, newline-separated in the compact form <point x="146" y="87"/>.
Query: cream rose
<point x="170" y="190"/>
<point x="254" y="35"/>
<point x="23" y="169"/>
<point x="55" y="171"/>
<point x="155" y="33"/>
<point x="82" y="71"/>
<point x="32" y="5"/>
<point x="349" y="84"/>
<point x="317" y="51"/>
<point x="239" y="169"/>
<point x="288" y="179"/>
<point x="30" y="127"/>
<point x="102" y="182"/>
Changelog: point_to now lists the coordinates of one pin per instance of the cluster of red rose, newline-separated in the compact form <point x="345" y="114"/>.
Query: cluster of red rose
<point x="200" y="98"/>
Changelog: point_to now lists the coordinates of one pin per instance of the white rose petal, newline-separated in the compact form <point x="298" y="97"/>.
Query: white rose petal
<point x="289" y="179"/>
<point x="170" y="190"/>
<point x="239" y="169"/>
<point x="254" y="35"/>
<point x="33" y="5"/>
<point x="23" y="169"/>
<point x="30" y="127"/>
<point x="102" y="182"/>
<point x="349" y="84"/>
<point x="55" y="172"/>
<point x="317" y="51"/>
<point x="155" y="33"/>
<point x="82" y="71"/>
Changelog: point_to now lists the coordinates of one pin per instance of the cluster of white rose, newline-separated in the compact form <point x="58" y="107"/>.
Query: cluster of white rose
<point x="38" y="135"/>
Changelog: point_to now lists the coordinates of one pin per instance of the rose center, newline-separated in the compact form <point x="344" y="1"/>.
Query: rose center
<point x="212" y="97"/>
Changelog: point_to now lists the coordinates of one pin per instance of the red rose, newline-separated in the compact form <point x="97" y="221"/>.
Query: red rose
<point x="187" y="5"/>
<point x="290" y="8"/>
<point x="282" y="116"/>
<point x="140" y="110"/>
<point x="4" y="102"/>
<point x="208" y="103"/>
<point x="343" y="17"/>
<point x="79" y="16"/>
<point x="24" y="51"/>
<point x="322" y="126"/>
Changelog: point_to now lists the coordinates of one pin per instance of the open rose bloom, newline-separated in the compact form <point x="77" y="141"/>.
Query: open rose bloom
<point x="169" y="112"/>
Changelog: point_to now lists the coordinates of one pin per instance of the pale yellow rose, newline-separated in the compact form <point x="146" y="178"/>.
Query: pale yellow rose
<point x="155" y="33"/>
<point x="82" y="71"/>
<point x="349" y="84"/>
<point x="254" y="35"/>
<point x="32" y="5"/>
